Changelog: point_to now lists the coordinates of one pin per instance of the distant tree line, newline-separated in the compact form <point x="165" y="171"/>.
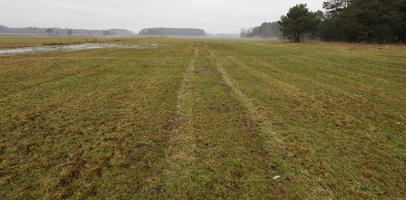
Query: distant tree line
<point x="344" y="20"/>
<point x="173" y="31"/>
<point x="61" y="31"/>
<point x="266" y="30"/>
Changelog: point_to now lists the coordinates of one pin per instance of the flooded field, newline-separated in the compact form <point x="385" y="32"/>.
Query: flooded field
<point x="69" y="48"/>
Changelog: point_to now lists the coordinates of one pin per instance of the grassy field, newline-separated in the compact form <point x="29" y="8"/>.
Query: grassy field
<point x="203" y="119"/>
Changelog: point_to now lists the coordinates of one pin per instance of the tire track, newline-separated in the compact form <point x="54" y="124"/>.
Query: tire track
<point x="265" y="124"/>
<point x="269" y="137"/>
<point x="181" y="148"/>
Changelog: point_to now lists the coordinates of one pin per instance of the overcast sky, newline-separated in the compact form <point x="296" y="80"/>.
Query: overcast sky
<point x="215" y="16"/>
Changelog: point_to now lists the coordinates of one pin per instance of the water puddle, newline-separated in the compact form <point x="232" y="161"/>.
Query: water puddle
<point x="70" y="48"/>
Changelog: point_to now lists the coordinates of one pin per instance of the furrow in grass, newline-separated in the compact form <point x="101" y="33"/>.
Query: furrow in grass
<point x="180" y="154"/>
<point x="345" y="90"/>
<point x="287" y="84"/>
<point x="343" y="133"/>
<point x="266" y="134"/>
<point x="264" y="122"/>
<point x="271" y="140"/>
<point x="228" y="159"/>
<point x="320" y="135"/>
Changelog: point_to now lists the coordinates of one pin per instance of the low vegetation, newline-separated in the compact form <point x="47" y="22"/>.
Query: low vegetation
<point x="203" y="119"/>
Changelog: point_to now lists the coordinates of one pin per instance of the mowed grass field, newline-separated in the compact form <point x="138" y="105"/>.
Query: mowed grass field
<point x="203" y="119"/>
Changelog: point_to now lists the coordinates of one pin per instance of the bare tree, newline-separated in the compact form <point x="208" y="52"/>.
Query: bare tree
<point x="106" y="32"/>
<point x="49" y="31"/>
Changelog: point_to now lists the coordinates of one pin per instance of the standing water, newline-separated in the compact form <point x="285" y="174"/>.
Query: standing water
<point x="69" y="48"/>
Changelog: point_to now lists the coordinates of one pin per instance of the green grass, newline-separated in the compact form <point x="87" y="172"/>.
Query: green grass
<point x="203" y="119"/>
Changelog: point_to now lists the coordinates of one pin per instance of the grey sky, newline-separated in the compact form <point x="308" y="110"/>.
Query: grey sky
<point x="215" y="16"/>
